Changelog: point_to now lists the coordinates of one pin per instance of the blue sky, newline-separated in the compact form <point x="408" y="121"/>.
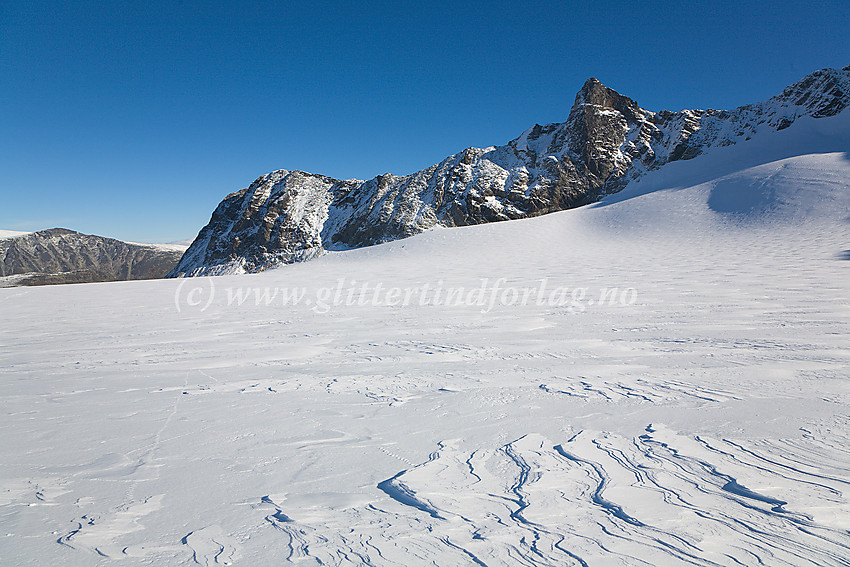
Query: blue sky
<point x="134" y="119"/>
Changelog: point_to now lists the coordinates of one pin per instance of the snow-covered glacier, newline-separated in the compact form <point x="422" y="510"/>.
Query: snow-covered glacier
<point x="686" y="405"/>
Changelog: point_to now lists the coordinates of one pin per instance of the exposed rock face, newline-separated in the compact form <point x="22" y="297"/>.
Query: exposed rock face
<point x="58" y="255"/>
<point x="607" y="140"/>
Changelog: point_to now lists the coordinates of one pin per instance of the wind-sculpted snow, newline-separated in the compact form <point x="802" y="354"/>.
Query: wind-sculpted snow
<point x="659" y="498"/>
<point x="606" y="142"/>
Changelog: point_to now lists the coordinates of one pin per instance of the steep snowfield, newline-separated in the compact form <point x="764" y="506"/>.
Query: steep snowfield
<point x="701" y="417"/>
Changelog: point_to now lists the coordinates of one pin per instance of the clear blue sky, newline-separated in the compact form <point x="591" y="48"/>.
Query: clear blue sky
<point x="134" y="119"/>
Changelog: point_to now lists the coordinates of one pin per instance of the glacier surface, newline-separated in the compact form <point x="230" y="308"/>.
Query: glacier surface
<point x="700" y="419"/>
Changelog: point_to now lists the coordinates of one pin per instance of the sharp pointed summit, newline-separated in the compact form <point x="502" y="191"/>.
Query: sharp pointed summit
<point x="595" y="93"/>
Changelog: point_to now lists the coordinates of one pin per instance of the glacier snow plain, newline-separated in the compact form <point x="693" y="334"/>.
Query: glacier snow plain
<point x="706" y="422"/>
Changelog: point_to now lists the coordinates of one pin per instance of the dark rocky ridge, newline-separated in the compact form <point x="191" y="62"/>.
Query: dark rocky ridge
<point x="606" y="141"/>
<point x="59" y="255"/>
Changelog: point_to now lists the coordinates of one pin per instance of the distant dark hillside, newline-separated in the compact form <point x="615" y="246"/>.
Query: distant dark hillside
<point x="59" y="255"/>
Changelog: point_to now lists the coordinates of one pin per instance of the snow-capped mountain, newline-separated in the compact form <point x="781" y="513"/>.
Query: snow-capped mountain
<point x="607" y="141"/>
<point x="59" y="255"/>
<point x="657" y="379"/>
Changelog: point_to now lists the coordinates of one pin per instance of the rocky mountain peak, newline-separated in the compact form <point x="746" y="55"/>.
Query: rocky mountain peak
<point x="595" y="93"/>
<point x="823" y="93"/>
<point x="591" y="88"/>
<point x="598" y="123"/>
<point x="606" y="141"/>
<point x="56" y="232"/>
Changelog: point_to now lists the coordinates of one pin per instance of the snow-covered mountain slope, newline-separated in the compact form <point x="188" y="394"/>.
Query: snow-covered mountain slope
<point x="59" y="255"/>
<point x="607" y="141"/>
<point x="657" y="379"/>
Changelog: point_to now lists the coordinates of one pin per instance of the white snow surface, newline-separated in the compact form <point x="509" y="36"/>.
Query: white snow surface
<point x="12" y="233"/>
<point x="178" y="246"/>
<point x="704" y="423"/>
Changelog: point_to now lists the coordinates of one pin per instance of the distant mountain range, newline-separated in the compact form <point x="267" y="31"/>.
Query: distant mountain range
<point x="285" y="216"/>
<point x="606" y="141"/>
<point x="59" y="255"/>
